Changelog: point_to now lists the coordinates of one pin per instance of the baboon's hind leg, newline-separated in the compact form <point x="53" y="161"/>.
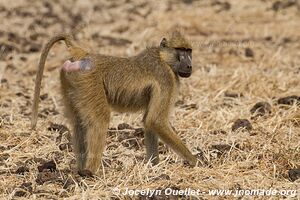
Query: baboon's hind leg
<point x="79" y="131"/>
<point x="95" y="114"/>
<point x="80" y="144"/>
<point x="96" y="132"/>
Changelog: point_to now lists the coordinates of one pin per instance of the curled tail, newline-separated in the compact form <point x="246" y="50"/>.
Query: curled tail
<point x="69" y="43"/>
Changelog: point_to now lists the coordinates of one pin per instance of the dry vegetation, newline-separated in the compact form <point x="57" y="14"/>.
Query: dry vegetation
<point x="245" y="52"/>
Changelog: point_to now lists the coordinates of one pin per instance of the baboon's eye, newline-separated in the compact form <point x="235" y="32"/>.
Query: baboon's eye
<point x="180" y="53"/>
<point x="179" y="56"/>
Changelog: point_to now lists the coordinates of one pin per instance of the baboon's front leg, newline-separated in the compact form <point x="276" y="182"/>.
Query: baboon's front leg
<point x="157" y="121"/>
<point x="151" y="142"/>
<point x="168" y="136"/>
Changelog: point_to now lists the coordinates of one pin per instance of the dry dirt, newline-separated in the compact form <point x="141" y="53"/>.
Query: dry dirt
<point x="244" y="53"/>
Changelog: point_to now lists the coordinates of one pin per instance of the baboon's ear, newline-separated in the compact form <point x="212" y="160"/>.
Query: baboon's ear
<point x="163" y="42"/>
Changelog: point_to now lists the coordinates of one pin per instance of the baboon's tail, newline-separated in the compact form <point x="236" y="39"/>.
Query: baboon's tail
<point x="69" y="43"/>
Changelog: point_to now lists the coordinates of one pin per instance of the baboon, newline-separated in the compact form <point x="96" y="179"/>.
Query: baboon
<point x="148" y="81"/>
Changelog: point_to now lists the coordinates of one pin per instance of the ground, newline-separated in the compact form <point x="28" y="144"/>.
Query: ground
<point x="232" y="112"/>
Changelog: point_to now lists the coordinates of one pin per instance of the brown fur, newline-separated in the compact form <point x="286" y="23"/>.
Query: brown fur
<point x="142" y="82"/>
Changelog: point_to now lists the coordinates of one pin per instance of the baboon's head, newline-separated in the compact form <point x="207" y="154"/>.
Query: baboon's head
<point x="177" y="53"/>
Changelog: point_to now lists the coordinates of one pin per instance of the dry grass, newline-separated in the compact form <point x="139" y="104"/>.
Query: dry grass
<point x="204" y="114"/>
